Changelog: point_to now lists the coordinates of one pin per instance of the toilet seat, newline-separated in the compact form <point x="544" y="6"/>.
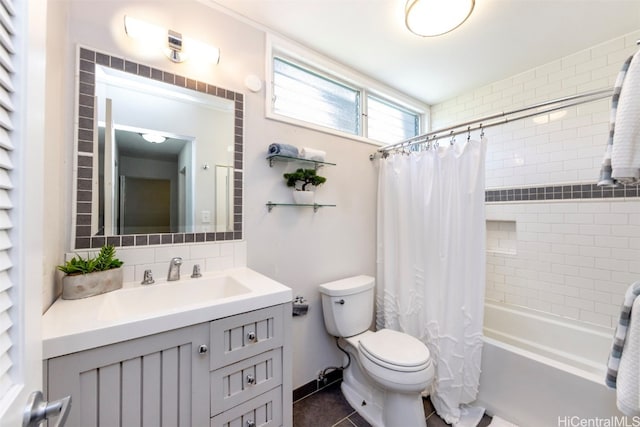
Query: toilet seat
<point x="394" y="350"/>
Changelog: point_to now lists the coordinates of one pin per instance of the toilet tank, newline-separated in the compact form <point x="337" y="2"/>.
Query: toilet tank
<point x="347" y="305"/>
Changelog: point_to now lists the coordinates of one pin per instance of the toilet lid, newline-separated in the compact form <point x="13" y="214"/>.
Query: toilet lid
<point x="395" y="349"/>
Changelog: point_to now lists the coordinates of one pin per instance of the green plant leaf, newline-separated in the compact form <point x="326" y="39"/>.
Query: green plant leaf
<point x="302" y="178"/>
<point x="105" y="260"/>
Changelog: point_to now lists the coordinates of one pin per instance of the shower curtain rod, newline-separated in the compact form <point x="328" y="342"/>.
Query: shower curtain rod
<point x="502" y="118"/>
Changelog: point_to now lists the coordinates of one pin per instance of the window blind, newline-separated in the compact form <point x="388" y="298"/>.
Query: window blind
<point x="7" y="32"/>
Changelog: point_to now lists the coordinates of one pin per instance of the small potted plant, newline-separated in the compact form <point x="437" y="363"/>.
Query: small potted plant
<point x="91" y="276"/>
<point x="301" y="180"/>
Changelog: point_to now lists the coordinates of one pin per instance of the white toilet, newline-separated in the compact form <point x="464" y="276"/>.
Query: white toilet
<point x="388" y="370"/>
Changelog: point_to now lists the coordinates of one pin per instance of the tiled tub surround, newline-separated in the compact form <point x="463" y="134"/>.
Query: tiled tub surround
<point x="572" y="258"/>
<point x="576" y="246"/>
<point x="85" y="140"/>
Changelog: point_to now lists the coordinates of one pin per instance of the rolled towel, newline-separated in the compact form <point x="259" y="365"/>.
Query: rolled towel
<point x="312" y="154"/>
<point x="283" y="150"/>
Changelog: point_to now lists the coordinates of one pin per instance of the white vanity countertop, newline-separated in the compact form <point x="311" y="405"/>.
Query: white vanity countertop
<point x="135" y="311"/>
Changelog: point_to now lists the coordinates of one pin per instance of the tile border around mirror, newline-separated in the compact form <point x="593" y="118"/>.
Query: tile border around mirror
<point x="86" y="62"/>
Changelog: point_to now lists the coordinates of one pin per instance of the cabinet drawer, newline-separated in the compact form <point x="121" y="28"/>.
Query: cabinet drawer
<point x="244" y="380"/>
<point x="263" y="411"/>
<point x="239" y="337"/>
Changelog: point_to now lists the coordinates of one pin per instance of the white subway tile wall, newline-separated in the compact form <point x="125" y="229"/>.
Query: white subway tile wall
<point x="573" y="257"/>
<point x="210" y="256"/>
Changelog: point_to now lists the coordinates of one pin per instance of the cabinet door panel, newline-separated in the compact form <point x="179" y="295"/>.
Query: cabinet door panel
<point x="149" y="381"/>
<point x="151" y="389"/>
<point x="132" y="381"/>
<point x="109" y="402"/>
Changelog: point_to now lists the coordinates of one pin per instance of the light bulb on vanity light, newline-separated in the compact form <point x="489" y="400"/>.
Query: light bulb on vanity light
<point x="174" y="45"/>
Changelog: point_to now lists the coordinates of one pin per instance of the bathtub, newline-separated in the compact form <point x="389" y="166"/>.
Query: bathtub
<point x="541" y="370"/>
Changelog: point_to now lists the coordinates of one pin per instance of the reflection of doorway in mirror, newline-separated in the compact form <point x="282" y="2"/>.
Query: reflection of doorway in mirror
<point x="145" y="205"/>
<point x="135" y="157"/>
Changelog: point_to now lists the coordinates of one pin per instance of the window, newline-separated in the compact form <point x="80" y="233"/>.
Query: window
<point x="304" y="95"/>
<point x="323" y="95"/>
<point x="388" y="122"/>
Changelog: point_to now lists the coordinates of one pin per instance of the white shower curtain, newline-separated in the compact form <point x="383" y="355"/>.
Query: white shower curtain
<point x="431" y="262"/>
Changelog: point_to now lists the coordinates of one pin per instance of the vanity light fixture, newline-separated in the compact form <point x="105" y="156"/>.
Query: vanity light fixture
<point x="154" y="138"/>
<point x="174" y="45"/>
<point x="429" y="18"/>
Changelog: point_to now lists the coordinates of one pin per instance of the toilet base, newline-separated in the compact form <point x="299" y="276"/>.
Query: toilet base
<point x="364" y="405"/>
<point x="408" y="409"/>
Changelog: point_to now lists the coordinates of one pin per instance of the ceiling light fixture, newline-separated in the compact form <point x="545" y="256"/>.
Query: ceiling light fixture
<point x="176" y="47"/>
<point x="153" y="137"/>
<point x="429" y="18"/>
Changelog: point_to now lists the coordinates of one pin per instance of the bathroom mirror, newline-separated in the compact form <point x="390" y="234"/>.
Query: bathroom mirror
<point x="159" y="156"/>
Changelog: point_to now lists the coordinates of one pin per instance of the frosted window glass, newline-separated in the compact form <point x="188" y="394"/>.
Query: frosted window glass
<point x="304" y="95"/>
<point x="390" y="123"/>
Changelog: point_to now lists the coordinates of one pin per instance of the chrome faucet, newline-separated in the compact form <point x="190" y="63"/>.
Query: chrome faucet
<point x="174" y="269"/>
<point x="148" y="278"/>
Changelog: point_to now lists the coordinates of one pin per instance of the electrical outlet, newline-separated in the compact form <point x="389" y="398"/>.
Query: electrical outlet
<point x="205" y="216"/>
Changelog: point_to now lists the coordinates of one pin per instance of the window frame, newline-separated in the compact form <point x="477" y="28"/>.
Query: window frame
<point x="332" y="70"/>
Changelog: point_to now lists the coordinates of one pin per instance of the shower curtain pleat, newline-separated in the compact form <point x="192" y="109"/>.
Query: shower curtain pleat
<point x="431" y="262"/>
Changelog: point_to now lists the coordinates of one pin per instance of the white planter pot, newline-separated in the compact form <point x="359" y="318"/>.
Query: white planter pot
<point x="87" y="285"/>
<point x="304" y="197"/>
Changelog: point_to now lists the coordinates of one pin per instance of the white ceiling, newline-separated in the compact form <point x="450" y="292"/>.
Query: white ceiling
<point x="501" y="37"/>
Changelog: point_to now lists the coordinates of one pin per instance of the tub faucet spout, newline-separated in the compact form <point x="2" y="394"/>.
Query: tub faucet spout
<point x="174" y="269"/>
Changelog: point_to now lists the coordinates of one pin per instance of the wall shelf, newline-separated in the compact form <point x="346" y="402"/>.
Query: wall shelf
<point x="281" y="158"/>
<point x="315" y="206"/>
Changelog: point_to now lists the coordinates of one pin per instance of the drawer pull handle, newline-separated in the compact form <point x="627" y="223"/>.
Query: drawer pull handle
<point x="251" y="336"/>
<point x="251" y="423"/>
<point x="251" y="379"/>
<point x="203" y="349"/>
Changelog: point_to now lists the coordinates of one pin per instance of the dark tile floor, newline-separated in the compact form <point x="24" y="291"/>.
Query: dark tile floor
<point x="328" y="408"/>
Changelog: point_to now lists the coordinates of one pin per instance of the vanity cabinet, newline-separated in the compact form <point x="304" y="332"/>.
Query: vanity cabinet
<point x="233" y="371"/>
<point x="143" y="382"/>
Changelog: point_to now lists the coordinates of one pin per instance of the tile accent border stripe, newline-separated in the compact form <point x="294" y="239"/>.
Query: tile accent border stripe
<point x="87" y="61"/>
<point x="560" y="192"/>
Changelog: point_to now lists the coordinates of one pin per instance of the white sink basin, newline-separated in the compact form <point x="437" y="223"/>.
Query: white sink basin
<point x="146" y="300"/>
<point x="140" y="310"/>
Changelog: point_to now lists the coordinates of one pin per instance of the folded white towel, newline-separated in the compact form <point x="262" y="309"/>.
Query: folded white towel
<point x="628" y="380"/>
<point x="312" y="154"/>
<point x="625" y="154"/>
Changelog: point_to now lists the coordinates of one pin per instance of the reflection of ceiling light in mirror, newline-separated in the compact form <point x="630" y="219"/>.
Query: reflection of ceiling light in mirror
<point x="546" y="118"/>
<point x="154" y="138"/>
<point x="430" y="18"/>
<point x="172" y="43"/>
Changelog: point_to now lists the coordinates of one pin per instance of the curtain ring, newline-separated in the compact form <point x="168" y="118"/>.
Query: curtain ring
<point x="468" y="133"/>
<point x="481" y="131"/>
<point x="453" y="138"/>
